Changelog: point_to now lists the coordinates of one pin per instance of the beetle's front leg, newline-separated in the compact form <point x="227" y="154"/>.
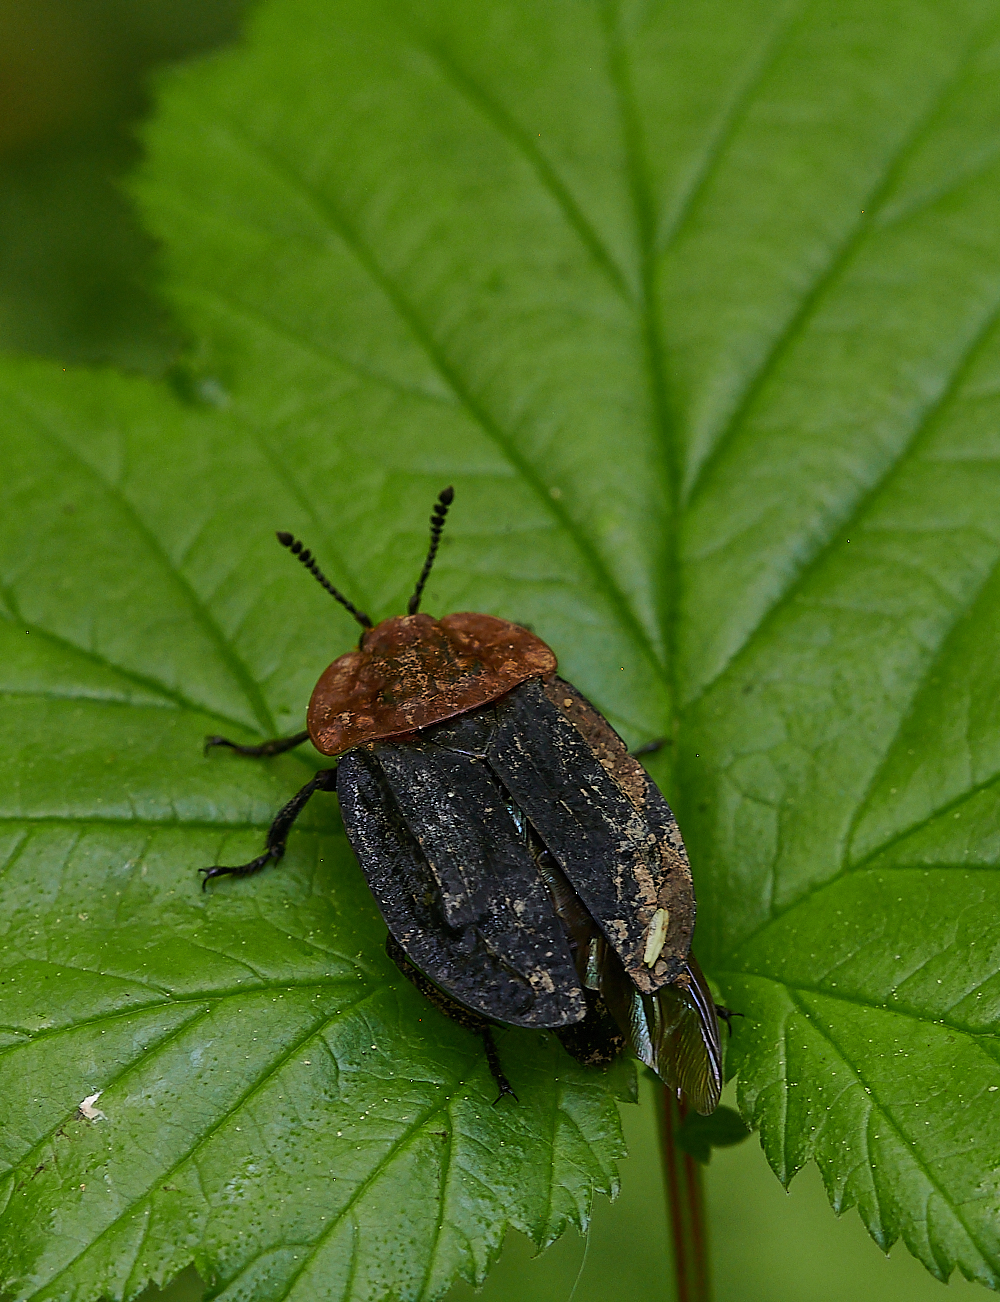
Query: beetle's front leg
<point x="325" y="780"/>
<point x="276" y="747"/>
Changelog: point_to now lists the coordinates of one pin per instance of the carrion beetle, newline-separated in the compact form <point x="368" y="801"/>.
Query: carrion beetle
<point x="528" y="869"/>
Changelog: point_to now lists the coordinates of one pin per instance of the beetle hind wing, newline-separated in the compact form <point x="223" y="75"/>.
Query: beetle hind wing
<point x="674" y="1031"/>
<point x="687" y="1046"/>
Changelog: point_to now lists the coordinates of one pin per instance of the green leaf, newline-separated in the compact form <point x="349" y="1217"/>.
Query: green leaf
<point x="278" y="1103"/>
<point x="698" y="308"/>
<point x="698" y="1135"/>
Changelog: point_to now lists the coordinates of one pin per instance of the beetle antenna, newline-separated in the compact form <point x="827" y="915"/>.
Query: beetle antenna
<point x="306" y="557"/>
<point x="445" y="499"/>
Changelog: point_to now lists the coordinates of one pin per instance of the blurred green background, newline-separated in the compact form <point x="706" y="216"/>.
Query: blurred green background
<point x="77" y="282"/>
<point x="76" y="271"/>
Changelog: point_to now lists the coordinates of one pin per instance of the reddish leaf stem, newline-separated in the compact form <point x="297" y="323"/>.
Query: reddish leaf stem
<point x="685" y="1206"/>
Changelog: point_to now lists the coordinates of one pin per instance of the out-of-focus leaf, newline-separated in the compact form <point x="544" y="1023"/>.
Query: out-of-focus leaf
<point x="75" y="265"/>
<point x="698" y="1135"/>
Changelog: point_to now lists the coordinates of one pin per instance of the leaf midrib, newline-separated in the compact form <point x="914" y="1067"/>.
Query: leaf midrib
<point x="664" y="426"/>
<point x="341" y="229"/>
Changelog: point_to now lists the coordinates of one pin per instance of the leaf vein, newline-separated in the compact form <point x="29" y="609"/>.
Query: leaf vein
<point x="338" y="224"/>
<point x="507" y="126"/>
<point x="911" y="1147"/>
<point x="376" y="1172"/>
<point x="663" y="426"/>
<point x="977" y="1038"/>
<point x="124" y="1071"/>
<point x="841" y="258"/>
<point x="317" y="1028"/>
<point x="927" y="421"/>
<point x="196" y="997"/>
<point x="281" y="330"/>
<point x="732" y="116"/>
<point x="199" y="610"/>
<point x="169" y="694"/>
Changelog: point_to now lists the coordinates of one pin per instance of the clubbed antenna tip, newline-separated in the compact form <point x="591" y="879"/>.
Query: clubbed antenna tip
<point x="305" y="556"/>
<point x="445" y="499"/>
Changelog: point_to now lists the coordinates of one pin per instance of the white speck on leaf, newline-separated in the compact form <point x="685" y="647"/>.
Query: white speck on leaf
<point x="87" y="1109"/>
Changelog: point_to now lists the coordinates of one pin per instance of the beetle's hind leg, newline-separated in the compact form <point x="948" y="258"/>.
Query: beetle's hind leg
<point x="277" y="835"/>
<point x="464" y="1016"/>
<point x="276" y="747"/>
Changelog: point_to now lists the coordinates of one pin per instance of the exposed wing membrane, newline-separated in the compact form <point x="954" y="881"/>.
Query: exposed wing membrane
<point x="675" y="1031"/>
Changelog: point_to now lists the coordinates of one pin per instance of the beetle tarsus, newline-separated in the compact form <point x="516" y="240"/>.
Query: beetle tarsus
<point x="493" y="1058"/>
<point x="276" y="747"/>
<point x="243" y="869"/>
<point x="649" y="748"/>
<point x="277" y="835"/>
<point x="726" y="1015"/>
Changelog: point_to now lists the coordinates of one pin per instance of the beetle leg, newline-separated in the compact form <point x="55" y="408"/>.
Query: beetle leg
<point x="726" y="1015"/>
<point x="493" y="1058"/>
<point x="454" y="1010"/>
<point x="325" y="780"/>
<point x="276" y="747"/>
<point x="650" y="747"/>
